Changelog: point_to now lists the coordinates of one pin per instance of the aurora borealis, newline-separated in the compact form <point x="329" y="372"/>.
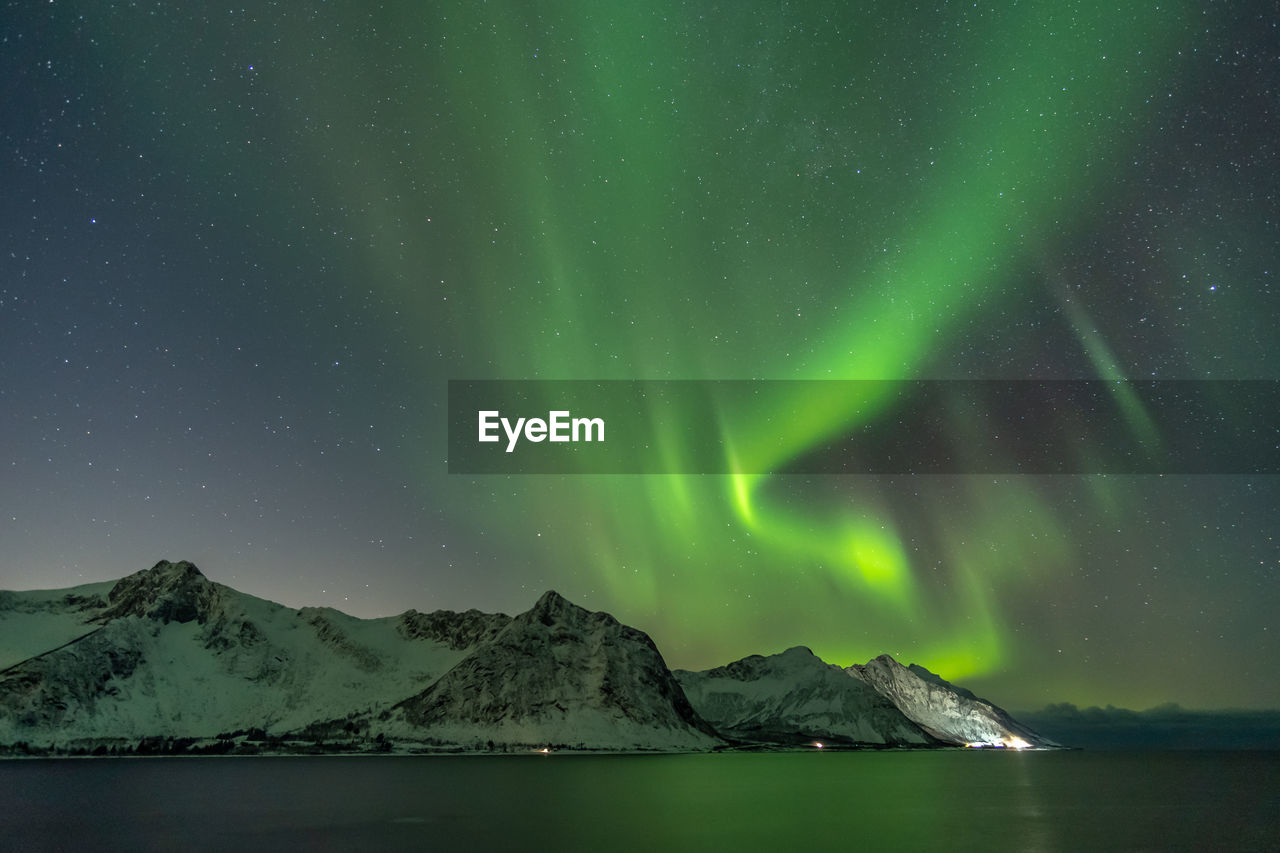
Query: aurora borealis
<point x="246" y="248"/>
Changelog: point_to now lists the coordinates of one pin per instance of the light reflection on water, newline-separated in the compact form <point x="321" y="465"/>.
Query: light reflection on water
<point x="962" y="800"/>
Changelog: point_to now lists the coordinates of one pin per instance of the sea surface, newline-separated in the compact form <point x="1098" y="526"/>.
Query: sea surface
<point x="820" y="800"/>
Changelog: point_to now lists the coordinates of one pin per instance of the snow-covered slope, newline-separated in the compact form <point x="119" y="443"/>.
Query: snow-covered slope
<point x="947" y="712"/>
<point x="36" y="621"/>
<point x="166" y="652"/>
<point x="557" y="674"/>
<point x="794" y="697"/>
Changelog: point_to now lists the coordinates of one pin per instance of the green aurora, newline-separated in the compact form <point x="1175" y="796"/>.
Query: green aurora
<point x="675" y="210"/>
<point x="385" y="197"/>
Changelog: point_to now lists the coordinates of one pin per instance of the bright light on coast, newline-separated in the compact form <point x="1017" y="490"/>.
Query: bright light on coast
<point x="1007" y="743"/>
<point x="817" y="745"/>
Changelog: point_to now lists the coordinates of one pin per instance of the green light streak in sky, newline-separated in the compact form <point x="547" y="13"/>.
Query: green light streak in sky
<point x="676" y="192"/>
<point x="982" y="217"/>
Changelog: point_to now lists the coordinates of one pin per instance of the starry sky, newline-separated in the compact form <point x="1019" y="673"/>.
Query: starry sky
<point x="246" y="246"/>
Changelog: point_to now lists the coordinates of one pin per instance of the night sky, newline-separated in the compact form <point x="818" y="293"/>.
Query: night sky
<point x="245" y="247"/>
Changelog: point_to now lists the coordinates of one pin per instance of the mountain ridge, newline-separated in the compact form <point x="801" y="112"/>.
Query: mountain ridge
<point x="167" y="655"/>
<point x="795" y="698"/>
<point x="951" y="714"/>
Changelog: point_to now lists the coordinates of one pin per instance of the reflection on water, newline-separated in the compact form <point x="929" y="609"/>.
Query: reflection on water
<point x="962" y="800"/>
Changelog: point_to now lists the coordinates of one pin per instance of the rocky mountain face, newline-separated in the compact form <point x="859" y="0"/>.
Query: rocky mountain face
<point x="795" y="698"/>
<point x="559" y="674"/>
<point x="169" y="592"/>
<point x="455" y="630"/>
<point x="166" y="654"/>
<point x="949" y="713"/>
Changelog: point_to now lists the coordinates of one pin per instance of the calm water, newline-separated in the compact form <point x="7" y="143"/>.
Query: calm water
<point x="1067" y="801"/>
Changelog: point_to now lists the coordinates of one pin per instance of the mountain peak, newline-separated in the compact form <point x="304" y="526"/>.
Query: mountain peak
<point x="553" y="606"/>
<point x="168" y="591"/>
<point x="793" y="661"/>
<point x="180" y="569"/>
<point x="551" y="598"/>
<point x="562" y="673"/>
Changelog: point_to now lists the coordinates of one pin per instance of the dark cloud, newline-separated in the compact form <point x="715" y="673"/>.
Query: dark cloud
<point x="1164" y="727"/>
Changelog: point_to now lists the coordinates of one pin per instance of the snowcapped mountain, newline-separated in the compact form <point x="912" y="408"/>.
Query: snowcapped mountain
<point x="563" y="675"/>
<point x="949" y="713"/>
<point x="166" y="653"/>
<point x="794" y="698"/>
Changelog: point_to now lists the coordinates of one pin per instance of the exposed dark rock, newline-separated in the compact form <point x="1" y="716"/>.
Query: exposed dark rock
<point x="168" y="592"/>
<point x="456" y="630"/>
